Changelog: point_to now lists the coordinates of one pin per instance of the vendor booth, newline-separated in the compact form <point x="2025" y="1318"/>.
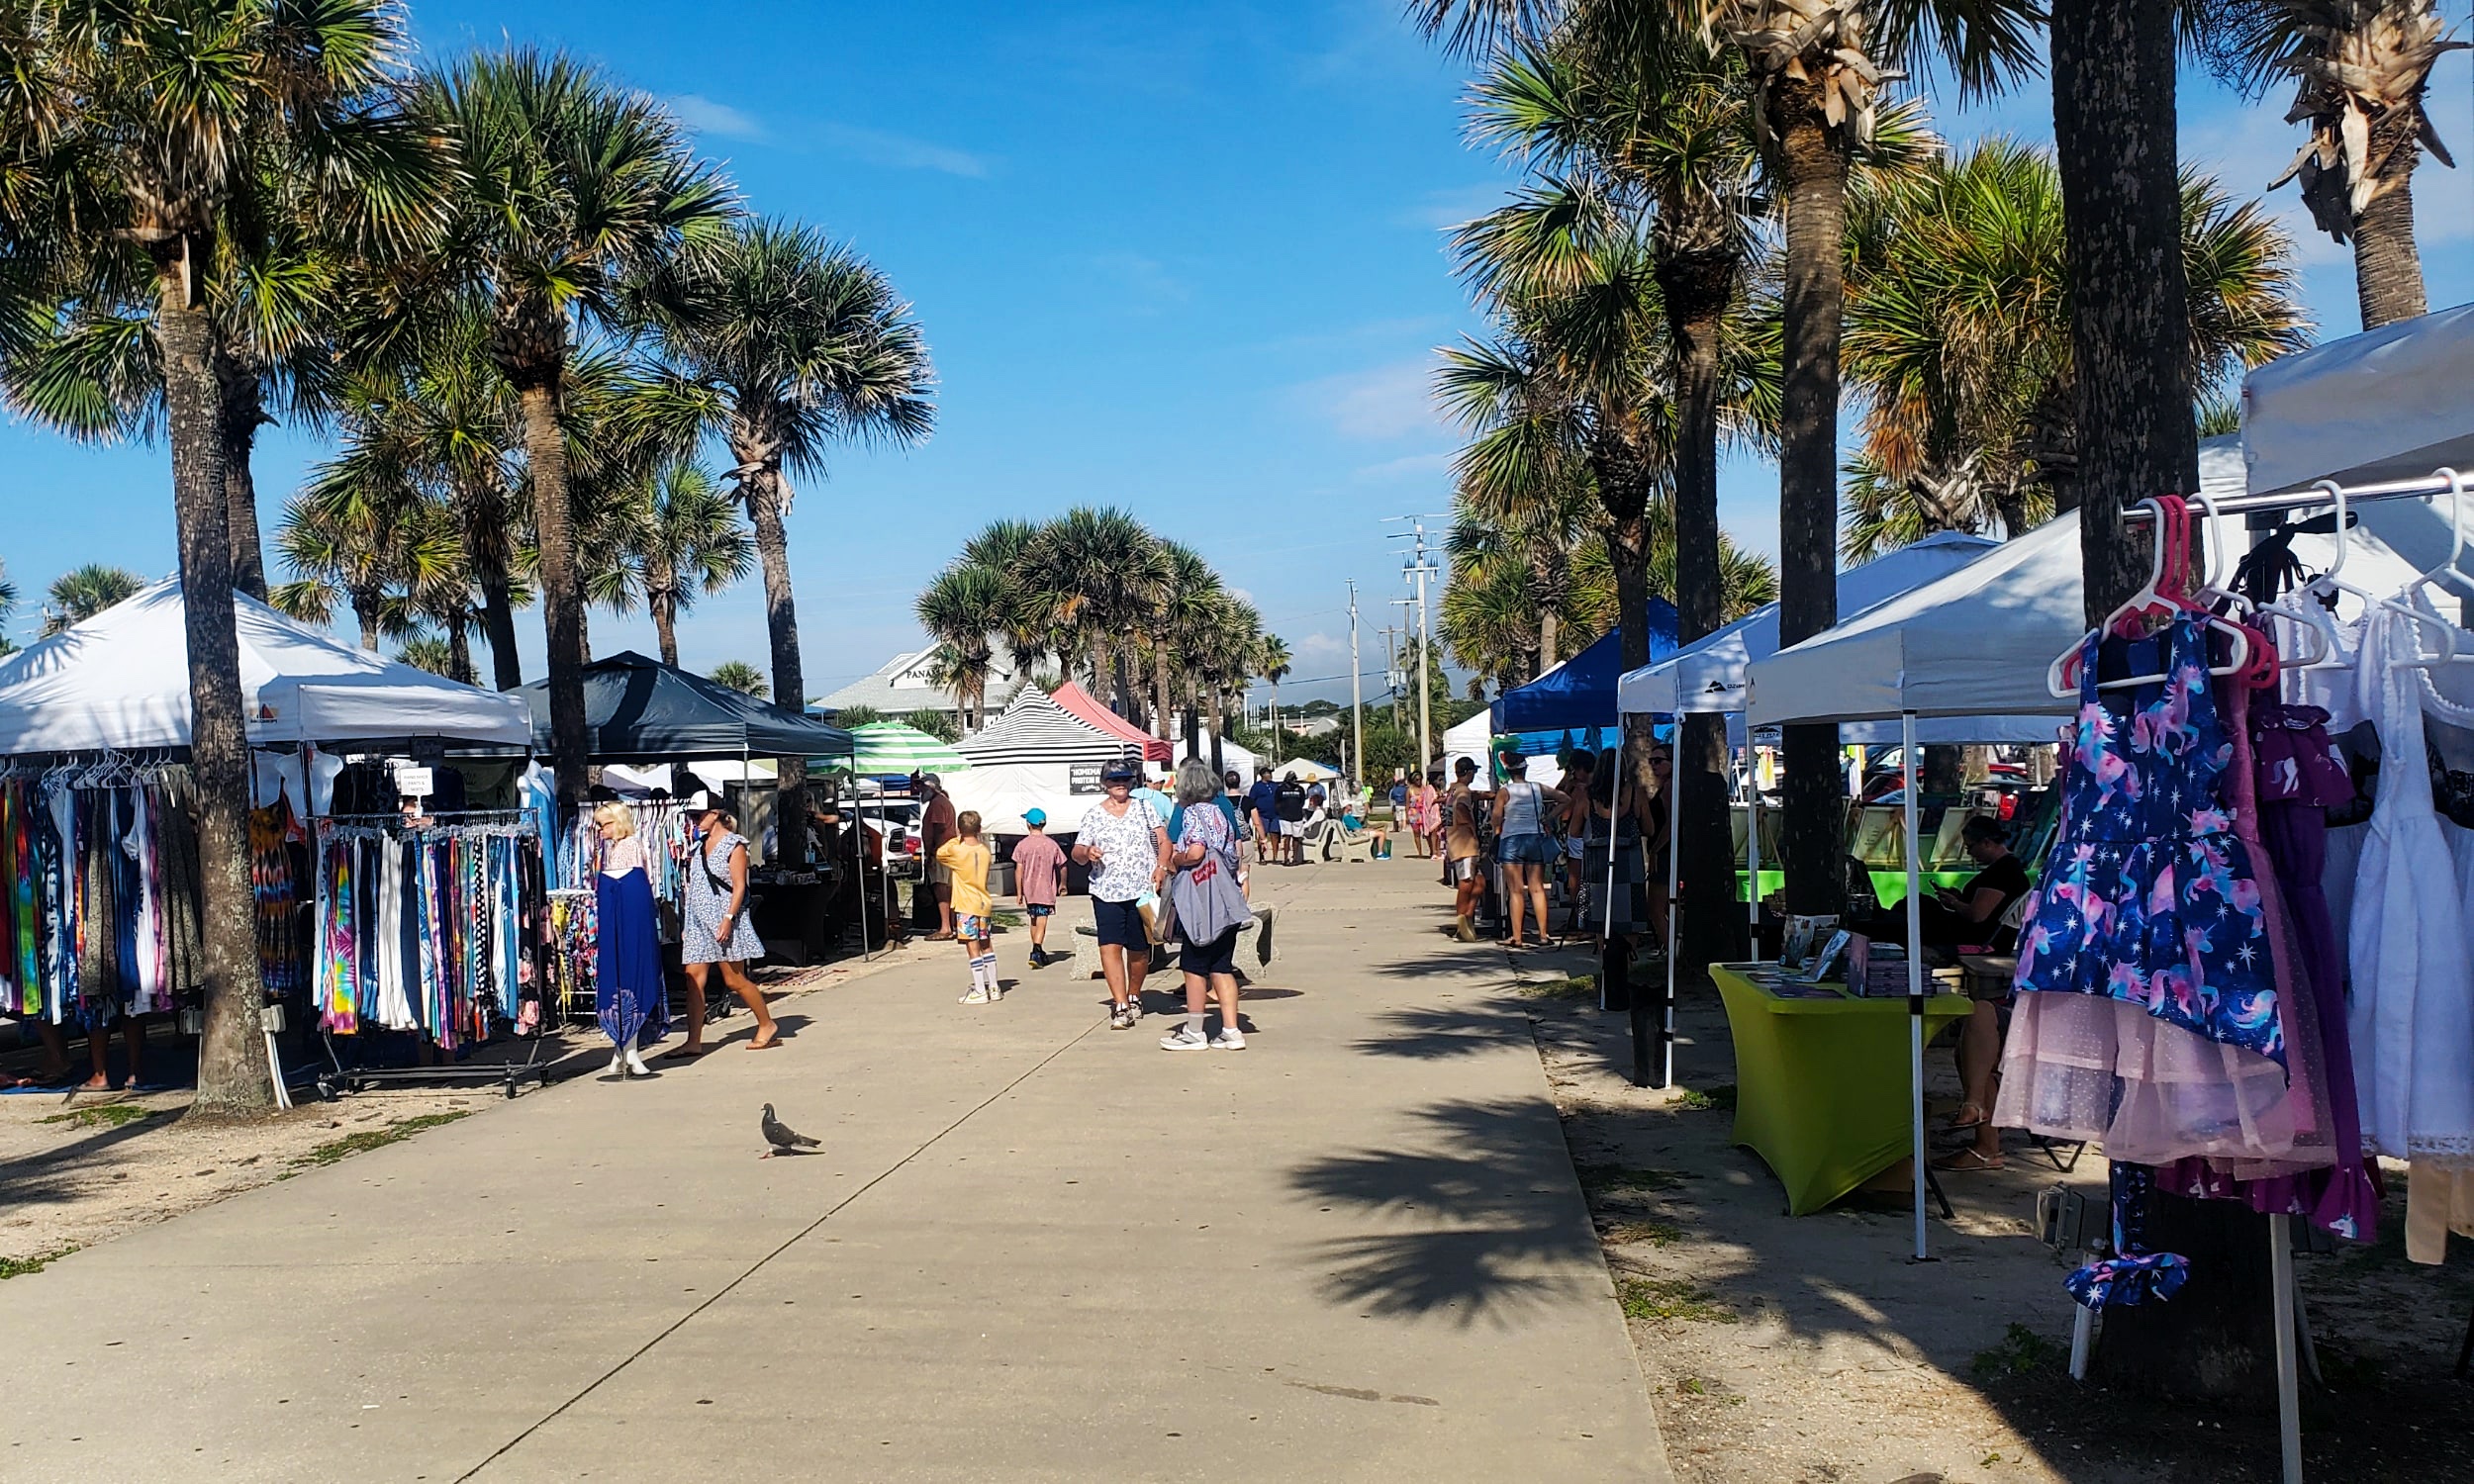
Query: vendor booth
<point x="1579" y="693"/>
<point x="94" y="726"/>
<point x="891" y="749"/>
<point x="1036" y="756"/>
<point x="638" y="710"/>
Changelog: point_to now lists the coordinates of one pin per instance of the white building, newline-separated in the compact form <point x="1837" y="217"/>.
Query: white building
<point x="902" y="686"/>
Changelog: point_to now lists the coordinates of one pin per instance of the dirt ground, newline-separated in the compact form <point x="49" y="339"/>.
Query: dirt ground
<point x="1783" y="1349"/>
<point x="80" y="1168"/>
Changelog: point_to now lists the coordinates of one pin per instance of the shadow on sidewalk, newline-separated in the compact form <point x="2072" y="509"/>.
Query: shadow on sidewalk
<point x="1484" y="1197"/>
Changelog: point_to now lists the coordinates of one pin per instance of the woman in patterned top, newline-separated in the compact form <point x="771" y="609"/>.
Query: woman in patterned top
<point x="714" y="927"/>
<point x="1126" y="847"/>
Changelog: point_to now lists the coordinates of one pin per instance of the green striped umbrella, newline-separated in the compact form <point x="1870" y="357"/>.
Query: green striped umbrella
<point x="891" y="747"/>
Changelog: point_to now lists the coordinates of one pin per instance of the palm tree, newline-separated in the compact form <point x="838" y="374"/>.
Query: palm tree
<point x="740" y="676"/>
<point x="961" y="609"/>
<point x="1271" y="662"/>
<point x="1104" y="576"/>
<point x="1958" y="337"/>
<point x="687" y="540"/>
<point x="8" y="607"/>
<point x="364" y="547"/>
<point x="1189" y="601"/>
<point x="1231" y="647"/>
<point x="572" y="183"/>
<point x="431" y="652"/>
<point x="784" y="343"/>
<point x="151" y="124"/>
<point x="2361" y="69"/>
<point x="80" y="593"/>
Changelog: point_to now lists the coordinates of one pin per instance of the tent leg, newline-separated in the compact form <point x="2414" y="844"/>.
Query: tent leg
<point x="1914" y="975"/>
<point x="1674" y="847"/>
<point x="2287" y="1402"/>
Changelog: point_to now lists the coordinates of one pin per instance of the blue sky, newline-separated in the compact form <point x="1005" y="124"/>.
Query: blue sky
<point x="1186" y="260"/>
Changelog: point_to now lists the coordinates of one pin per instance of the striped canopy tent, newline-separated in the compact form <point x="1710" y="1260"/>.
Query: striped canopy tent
<point x="1087" y="709"/>
<point x="1035" y="730"/>
<point x="889" y="747"/>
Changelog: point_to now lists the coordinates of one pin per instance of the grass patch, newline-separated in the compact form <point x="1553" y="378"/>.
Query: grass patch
<point x="369" y="1139"/>
<point x="1006" y="919"/>
<point x="1577" y="987"/>
<point x="1708" y="1390"/>
<point x="1598" y="1179"/>
<point x="1671" y="1298"/>
<point x="1697" y="1100"/>
<point x="18" y="1268"/>
<point x="1654" y="1233"/>
<point x="101" y="1116"/>
<point x="2021" y="1353"/>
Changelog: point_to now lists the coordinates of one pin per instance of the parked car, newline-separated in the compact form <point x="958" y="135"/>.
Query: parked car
<point x="897" y="819"/>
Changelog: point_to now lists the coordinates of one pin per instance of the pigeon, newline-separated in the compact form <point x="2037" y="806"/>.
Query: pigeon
<point x="781" y="1136"/>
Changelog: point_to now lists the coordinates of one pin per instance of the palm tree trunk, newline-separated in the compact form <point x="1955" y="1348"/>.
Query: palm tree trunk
<point x="2387" y="266"/>
<point x="1101" y="662"/>
<point x="584" y="633"/>
<point x="1813" y="812"/>
<point x="1696" y="287"/>
<point x="232" y="1075"/>
<point x="497" y="626"/>
<point x="1160" y="691"/>
<point x="365" y="610"/>
<point x="1194" y="717"/>
<point x="562" y="597"/>
<point x="665" y="610"/>
<point x="1217" y="731"/>
<point x="236" y="423"/>
<point x="2113" y="133"/>
<point x="460" y="651"/>
<point x="767" y="489"/>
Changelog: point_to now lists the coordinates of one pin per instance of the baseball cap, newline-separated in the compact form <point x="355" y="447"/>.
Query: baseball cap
<point x="1035" y="816"/>
<point x="931" y="780"/>
<point x="1117" y="771"/>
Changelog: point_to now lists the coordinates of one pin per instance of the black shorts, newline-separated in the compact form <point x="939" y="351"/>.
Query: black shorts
<point x="1119" y="924"/>
<point x="1219" y="955"/>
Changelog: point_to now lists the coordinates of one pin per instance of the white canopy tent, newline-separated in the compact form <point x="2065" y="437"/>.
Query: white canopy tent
<point x="120" y="681"/>
<point x="1027" y="759"/>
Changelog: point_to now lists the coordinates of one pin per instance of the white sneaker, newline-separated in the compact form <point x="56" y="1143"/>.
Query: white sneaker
<point x="1183" y="1037"/>
<point x="977" y="996"/>
<point x="1229" y="1040"/>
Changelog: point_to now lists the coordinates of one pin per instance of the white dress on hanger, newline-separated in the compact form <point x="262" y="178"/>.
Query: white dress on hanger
<point x="2410" y="965"/>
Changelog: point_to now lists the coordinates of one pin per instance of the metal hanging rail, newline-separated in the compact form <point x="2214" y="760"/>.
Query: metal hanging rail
<point x="2322" y="492"/>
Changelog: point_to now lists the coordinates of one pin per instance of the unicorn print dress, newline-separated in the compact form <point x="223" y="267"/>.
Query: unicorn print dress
<point x="2146" y="1016"/>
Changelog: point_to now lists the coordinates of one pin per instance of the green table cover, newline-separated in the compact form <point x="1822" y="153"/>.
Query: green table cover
<point x="1821" y="1082"/>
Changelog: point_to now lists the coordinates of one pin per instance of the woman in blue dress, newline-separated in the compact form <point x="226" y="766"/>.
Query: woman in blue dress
<point x="628" y="990"/>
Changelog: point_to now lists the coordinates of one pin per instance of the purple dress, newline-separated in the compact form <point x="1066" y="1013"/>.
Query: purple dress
<point x="2146" y="1016"/>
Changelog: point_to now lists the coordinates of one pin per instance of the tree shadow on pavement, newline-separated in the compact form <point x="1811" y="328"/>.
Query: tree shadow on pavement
<point x="1445" y="1031"/>
<point x="1481" y="1203"/>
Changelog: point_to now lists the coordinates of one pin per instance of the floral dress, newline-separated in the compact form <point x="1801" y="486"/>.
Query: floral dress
<point x="701" y="904"/>
<point x="2147" y="1005"/>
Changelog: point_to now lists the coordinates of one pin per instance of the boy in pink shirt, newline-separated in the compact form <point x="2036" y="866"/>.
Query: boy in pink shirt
<point x="1038" y="871"/>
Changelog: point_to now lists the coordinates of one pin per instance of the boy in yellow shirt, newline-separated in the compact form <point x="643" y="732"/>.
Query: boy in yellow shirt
<point x="968" y="858"/>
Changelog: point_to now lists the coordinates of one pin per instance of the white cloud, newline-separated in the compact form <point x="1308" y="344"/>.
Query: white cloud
<point x="1320" y="647"/>
<point x="704" y="115"/>
<point x="1145" y="283"/>
<point x="1413" y="466"/>
<point x="1385" y="402"/>
<point x="878" y="146"/>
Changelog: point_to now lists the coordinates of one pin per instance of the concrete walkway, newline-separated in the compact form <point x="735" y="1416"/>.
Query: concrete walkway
<point x="1031" y="1249"/>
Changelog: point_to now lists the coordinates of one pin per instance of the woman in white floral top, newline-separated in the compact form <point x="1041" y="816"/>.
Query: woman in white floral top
<point x="1126" y="847"/>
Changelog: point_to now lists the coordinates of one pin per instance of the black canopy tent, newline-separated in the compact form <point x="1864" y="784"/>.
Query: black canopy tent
<point x="637" y="710"/>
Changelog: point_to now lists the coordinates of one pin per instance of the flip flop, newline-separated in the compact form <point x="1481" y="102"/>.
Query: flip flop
<point x="1968" y="1161"/>
<point x="766" y="1045"/>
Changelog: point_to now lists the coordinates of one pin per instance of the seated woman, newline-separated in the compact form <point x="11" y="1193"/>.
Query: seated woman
<point x="1969" y="918"/>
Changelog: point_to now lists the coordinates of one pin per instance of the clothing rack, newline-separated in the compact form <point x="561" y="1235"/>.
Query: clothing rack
<point x="2326" y="491"/>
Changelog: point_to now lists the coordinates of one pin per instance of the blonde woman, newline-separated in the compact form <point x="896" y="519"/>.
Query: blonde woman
<point x="627" y="988"/>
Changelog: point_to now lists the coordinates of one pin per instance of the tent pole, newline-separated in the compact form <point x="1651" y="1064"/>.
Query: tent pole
<point x="1674" y="847"/>
<point x="1915" y="973"/>
<point x="858" y="854"/>
<point x="1752" y="842"/>
<point x="2288" y="1404"/>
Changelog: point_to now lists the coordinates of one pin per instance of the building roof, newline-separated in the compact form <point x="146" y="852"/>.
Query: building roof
<point x="901" y="685"/>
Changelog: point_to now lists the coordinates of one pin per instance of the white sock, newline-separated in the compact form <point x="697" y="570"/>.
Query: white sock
<point x="1193" y="1023"/>
<point x="983" y="972"/>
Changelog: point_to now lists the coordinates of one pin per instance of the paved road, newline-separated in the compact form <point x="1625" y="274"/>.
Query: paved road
<point x="1031" y="1249"/>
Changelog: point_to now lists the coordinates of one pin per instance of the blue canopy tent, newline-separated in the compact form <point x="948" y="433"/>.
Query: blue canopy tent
<point x="1580" y="692"/>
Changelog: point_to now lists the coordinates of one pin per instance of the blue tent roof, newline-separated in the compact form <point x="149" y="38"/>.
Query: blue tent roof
<point x="1580" y="692"/>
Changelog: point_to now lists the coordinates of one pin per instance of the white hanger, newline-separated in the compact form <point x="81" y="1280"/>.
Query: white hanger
<point x="2061" y="676"/>
<point x="2421" y="617"/>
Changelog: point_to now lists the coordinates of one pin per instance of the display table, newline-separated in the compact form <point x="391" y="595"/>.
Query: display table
<point x="1821" y="1078"/>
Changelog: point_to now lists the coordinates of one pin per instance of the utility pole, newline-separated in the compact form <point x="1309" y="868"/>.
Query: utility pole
<point x="1417" y="569"/>
<point x="1357" y="697"/>
<point x="1399" y="667"/>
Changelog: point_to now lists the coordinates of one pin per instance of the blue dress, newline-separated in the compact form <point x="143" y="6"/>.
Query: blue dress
<point x="629" y="992"/>
<point x="2148" y="896"/>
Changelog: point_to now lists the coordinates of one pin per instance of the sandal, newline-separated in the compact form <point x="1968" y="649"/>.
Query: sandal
<point x="1968" y="1116"/>
<point x="1967" y="1161"/>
